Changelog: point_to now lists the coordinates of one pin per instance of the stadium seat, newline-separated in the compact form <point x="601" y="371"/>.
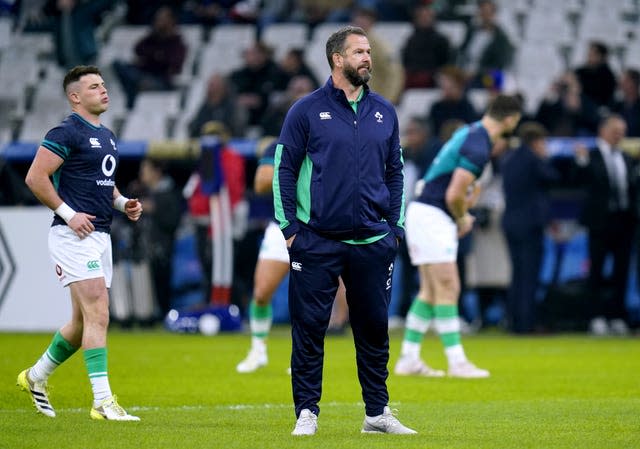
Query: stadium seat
<point x="479" y="98"/>
<point x="121" y="43"/>
<point x="453" y="30"/>
<point x="223" y="52"/>
<point x="5" y="32"/>
<point x="394" y="34"/>
<point x="284" y="36"/>
<point x="416" y="102"/>
<point x="194" y="97"/>
<point x="152" y="116"/>
<point x="315" y="56"/>
<point x="193" y="36"/>
<point x="39" y="43"/>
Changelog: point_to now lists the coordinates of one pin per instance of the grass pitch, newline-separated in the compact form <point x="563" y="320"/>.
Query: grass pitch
<point x="546" y="392"/>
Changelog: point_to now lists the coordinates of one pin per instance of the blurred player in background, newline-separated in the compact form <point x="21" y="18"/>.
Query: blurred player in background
<point x="270" y="271"/>
<point x="436" y="219"/>
<point x="81" y="157"/>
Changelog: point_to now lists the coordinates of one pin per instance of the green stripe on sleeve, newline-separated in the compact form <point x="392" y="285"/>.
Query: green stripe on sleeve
<point x="277" y="199"/>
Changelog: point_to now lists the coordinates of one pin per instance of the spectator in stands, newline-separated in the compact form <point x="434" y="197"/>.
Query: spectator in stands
<point x="486" y="48"/>
<point x="219" y="106"/>
<point x="163" y="212"/>
<point x="273" y="117"/>
<point x="629" y="105"/>
<point x="388" y="75"/>
<point x="232" y="166"/>
<point x="426" y="50"/>
<point x="159" y="57"/>
<point x="453" y="104"/>
<point x="608" y="177"/>
<point x="526" y="178"/>
<point x="566" y="110"/>
<point x="74" y="24"/>
<point x="256" y="81"/>
<point x="314" y="12"/>
<point x="293" y="64"/>
<point x="596" y="77"/>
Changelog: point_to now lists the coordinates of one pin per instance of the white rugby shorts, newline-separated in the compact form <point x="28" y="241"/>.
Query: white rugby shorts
<point x="274" y="246"/>
<point x="432" y="236"/>
<point x="76" y="259"/>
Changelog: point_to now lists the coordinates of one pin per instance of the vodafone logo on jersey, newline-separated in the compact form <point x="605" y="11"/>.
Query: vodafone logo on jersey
<point x="108" y="168"/>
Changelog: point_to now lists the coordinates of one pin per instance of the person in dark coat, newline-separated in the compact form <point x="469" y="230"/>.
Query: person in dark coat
<point x="526" y="178"/>
<point x="608" y="212"/>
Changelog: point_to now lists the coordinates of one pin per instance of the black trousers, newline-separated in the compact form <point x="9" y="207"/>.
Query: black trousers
<point x="315" y="265"/>
<point x="615" y="240"/>
<point x="526" y="252"/>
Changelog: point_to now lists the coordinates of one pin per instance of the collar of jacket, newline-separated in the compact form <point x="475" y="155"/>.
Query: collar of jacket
<point x="339" y="94"/>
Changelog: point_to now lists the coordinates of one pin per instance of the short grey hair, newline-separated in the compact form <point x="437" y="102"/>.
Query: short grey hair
<point x="335" y="43"/>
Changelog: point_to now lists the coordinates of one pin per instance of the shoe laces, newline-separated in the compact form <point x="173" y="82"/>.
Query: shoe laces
<point x="306" y="419"/>
<point x="389" y="419"/>
<point x="41" y="387"/>
<point x="113" y="405"/>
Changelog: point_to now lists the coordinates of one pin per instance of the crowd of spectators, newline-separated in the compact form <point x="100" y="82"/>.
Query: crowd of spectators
<point x="252" y="100"/>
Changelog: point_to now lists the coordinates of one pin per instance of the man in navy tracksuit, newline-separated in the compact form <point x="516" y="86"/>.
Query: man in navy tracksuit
<point x="338" y="196"/>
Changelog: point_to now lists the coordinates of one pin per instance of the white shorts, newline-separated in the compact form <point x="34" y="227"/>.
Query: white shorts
<point x="274" y="246"/>
<point x="432" y="236"/>
<point x="76" y="259"/>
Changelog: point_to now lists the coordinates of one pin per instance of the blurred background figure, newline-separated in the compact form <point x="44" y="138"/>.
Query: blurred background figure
<point x="566" y="110"/>
<point x="220" y="170"/>
<point x="293" y="65"/>
<point x="144" y="252"/>
<point x="159" y="58"/>
<point x="256" y="81"/>
<point x="628" y="106"/>
<point x="279" y="105"/>
<point x="74" y="26"/>
<point x="608" y="212"/>
<point x="387" y="74"/>
<point x="453" y="102"/>
<point x="219" y="106"/>
<point x="596" y="77"/>
<point x="526" y="178"/>
<point x="426" y="50"/>
<point x="418" y="154"/>
<point x="486" y="48"/>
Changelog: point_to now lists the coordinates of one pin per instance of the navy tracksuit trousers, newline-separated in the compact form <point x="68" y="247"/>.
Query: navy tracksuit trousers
<point x="315" y="265"/>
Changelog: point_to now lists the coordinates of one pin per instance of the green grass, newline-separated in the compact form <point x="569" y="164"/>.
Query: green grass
<point x="547" y="392"/>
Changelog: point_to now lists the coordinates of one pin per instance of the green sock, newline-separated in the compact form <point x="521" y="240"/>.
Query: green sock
<point x="447" y="324"/>
<point x="58" y="351"/>
<point x="260" y="318"/>
<point x="96" y="362"/>
<point x="419" y="318"/>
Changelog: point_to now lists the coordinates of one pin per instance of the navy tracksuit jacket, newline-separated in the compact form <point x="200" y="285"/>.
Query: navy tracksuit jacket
<point x="338" y="186"/>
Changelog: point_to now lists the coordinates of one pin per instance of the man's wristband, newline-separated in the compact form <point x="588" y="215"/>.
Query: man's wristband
<point x="65" y="212"/>
<point x="120" y="203"/>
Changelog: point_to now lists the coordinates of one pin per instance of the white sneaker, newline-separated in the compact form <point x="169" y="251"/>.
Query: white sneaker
<point x="467" y="370"/>
<point x="110" y="410"/>
<point x="385" y="423"/>
<point x="408" y="366"/>
<point x="256" y="358"/>
<point x="619" y="327"/>
<point x="39" y="393"/>
<point x="307" y="423"/>
<point x="599" y="327"/>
